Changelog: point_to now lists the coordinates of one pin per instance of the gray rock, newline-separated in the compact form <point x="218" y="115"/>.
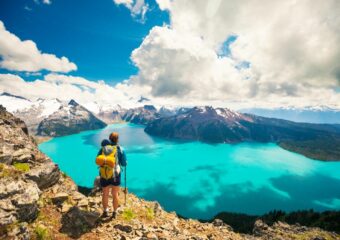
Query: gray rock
<point x="218" y="222"/>
<point x="6" y="218"/>
<point x="76" y="221"/>
<point x="23" y="155"/>
<point x="59" y="198"/>
<point x="123" y="228"/>
<point x="157" y="209"/>
<point x="6" y="159"/>
<point x="45" y="175"/>
<point x="260" y="227"/>
<point x="11" y="187"/>
<point x="26" y="203"/>
<point x="6" y="204"/>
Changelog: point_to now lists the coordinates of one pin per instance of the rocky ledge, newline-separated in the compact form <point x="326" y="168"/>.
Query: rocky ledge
<point x="37" y="201"/>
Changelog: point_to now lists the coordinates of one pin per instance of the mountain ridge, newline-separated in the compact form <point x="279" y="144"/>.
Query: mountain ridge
<point x="317" y="141"/>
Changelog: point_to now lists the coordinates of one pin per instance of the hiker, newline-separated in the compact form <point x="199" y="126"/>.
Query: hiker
<point x="110" y="158"/>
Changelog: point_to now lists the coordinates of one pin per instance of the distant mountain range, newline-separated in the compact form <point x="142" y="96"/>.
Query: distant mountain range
<point x="214" y="125"/>
<point x="51" y="117"/>
<point x="221" y="125"/>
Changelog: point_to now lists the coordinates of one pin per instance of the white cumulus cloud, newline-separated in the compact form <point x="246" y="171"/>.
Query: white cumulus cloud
<point x="19" y="55"/>
<point x="138" y="8"/>
<point x="284" y="53"/>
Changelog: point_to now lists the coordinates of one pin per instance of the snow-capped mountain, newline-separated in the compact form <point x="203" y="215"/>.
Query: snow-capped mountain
<point x="146" y="114"/>
<point x="43" y="115"/>
<point x="33" y="112"/>
<point x="69" y="119"/>
<point x="109" y="113"/>
<point x="13" y="102"/>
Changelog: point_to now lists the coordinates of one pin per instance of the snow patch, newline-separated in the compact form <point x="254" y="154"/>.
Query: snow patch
<point x="13" y="104"/>
<point x="49" y="107"/>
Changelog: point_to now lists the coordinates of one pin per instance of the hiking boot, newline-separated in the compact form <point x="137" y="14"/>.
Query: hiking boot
<point x="105" y="214"/>
<point x="114" y="214"/>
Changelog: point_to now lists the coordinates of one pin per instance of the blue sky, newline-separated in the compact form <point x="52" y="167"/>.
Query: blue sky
<point x="98" y="36"/>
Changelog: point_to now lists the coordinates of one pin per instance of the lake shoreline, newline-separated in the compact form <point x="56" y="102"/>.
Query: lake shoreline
<point x="244" y="223"/>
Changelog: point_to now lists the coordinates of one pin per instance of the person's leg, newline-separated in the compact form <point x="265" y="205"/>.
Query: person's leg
<point x="105" y="198"/>
<point x="115" y="191"/>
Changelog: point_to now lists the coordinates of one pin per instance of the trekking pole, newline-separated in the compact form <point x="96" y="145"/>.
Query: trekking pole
<point x="125" y="185"/>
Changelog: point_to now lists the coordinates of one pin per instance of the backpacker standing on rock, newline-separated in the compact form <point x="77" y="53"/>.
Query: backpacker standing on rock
<point x="110" y="158"/>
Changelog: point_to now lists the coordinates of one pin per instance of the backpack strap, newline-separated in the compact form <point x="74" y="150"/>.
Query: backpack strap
<point x="104" y="156"/>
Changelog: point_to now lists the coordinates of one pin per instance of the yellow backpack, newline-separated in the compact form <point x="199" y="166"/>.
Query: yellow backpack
<point x="108" y="163"/>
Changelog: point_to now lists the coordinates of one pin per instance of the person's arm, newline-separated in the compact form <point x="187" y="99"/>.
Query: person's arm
<point x="122" y="157"/>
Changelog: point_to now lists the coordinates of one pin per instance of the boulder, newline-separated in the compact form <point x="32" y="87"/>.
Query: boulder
<point x="123" y="228"/>
<point x="45" y="175"/>
<point x="23" y="155"/>
<point x="260" y="228"/>
<point x="59" y="198"/>
<point x="157" y="209"/>
<point x="76" y="221"/>
<point x="26" y="203"/>
<point x="10" y="187"/>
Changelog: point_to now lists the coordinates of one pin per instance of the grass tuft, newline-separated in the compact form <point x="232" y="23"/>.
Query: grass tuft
<point x="150" y="213"/>
<point x="23" y="167"/>
<point x="128" y="214"/>
<point x="42" y="233"/>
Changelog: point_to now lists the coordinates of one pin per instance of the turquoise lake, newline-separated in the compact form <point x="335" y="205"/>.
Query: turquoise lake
<point x="198" y="180"/>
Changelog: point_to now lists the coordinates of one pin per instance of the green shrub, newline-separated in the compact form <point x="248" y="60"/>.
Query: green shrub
<point x="42" y="233"/>
<point x="150" y="213"/>
<point x="24" y="167"/>
<point x="128" y="214"/>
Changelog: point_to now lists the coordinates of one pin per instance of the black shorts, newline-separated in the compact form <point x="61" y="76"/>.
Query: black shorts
<point x="112" y="181"/>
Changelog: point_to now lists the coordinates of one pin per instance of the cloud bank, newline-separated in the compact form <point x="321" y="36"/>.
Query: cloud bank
<point x="18" y="55"/>
<point x="66" y="87"/>
<point x="284" y="53"/>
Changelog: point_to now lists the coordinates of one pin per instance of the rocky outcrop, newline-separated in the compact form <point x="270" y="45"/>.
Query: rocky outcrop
<point x="282" y="231"/>
<point x="25" y="171"/>
<point x="221" y="125"/>
<point x="45" y="175"/>
<point x="69" y="119"/>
